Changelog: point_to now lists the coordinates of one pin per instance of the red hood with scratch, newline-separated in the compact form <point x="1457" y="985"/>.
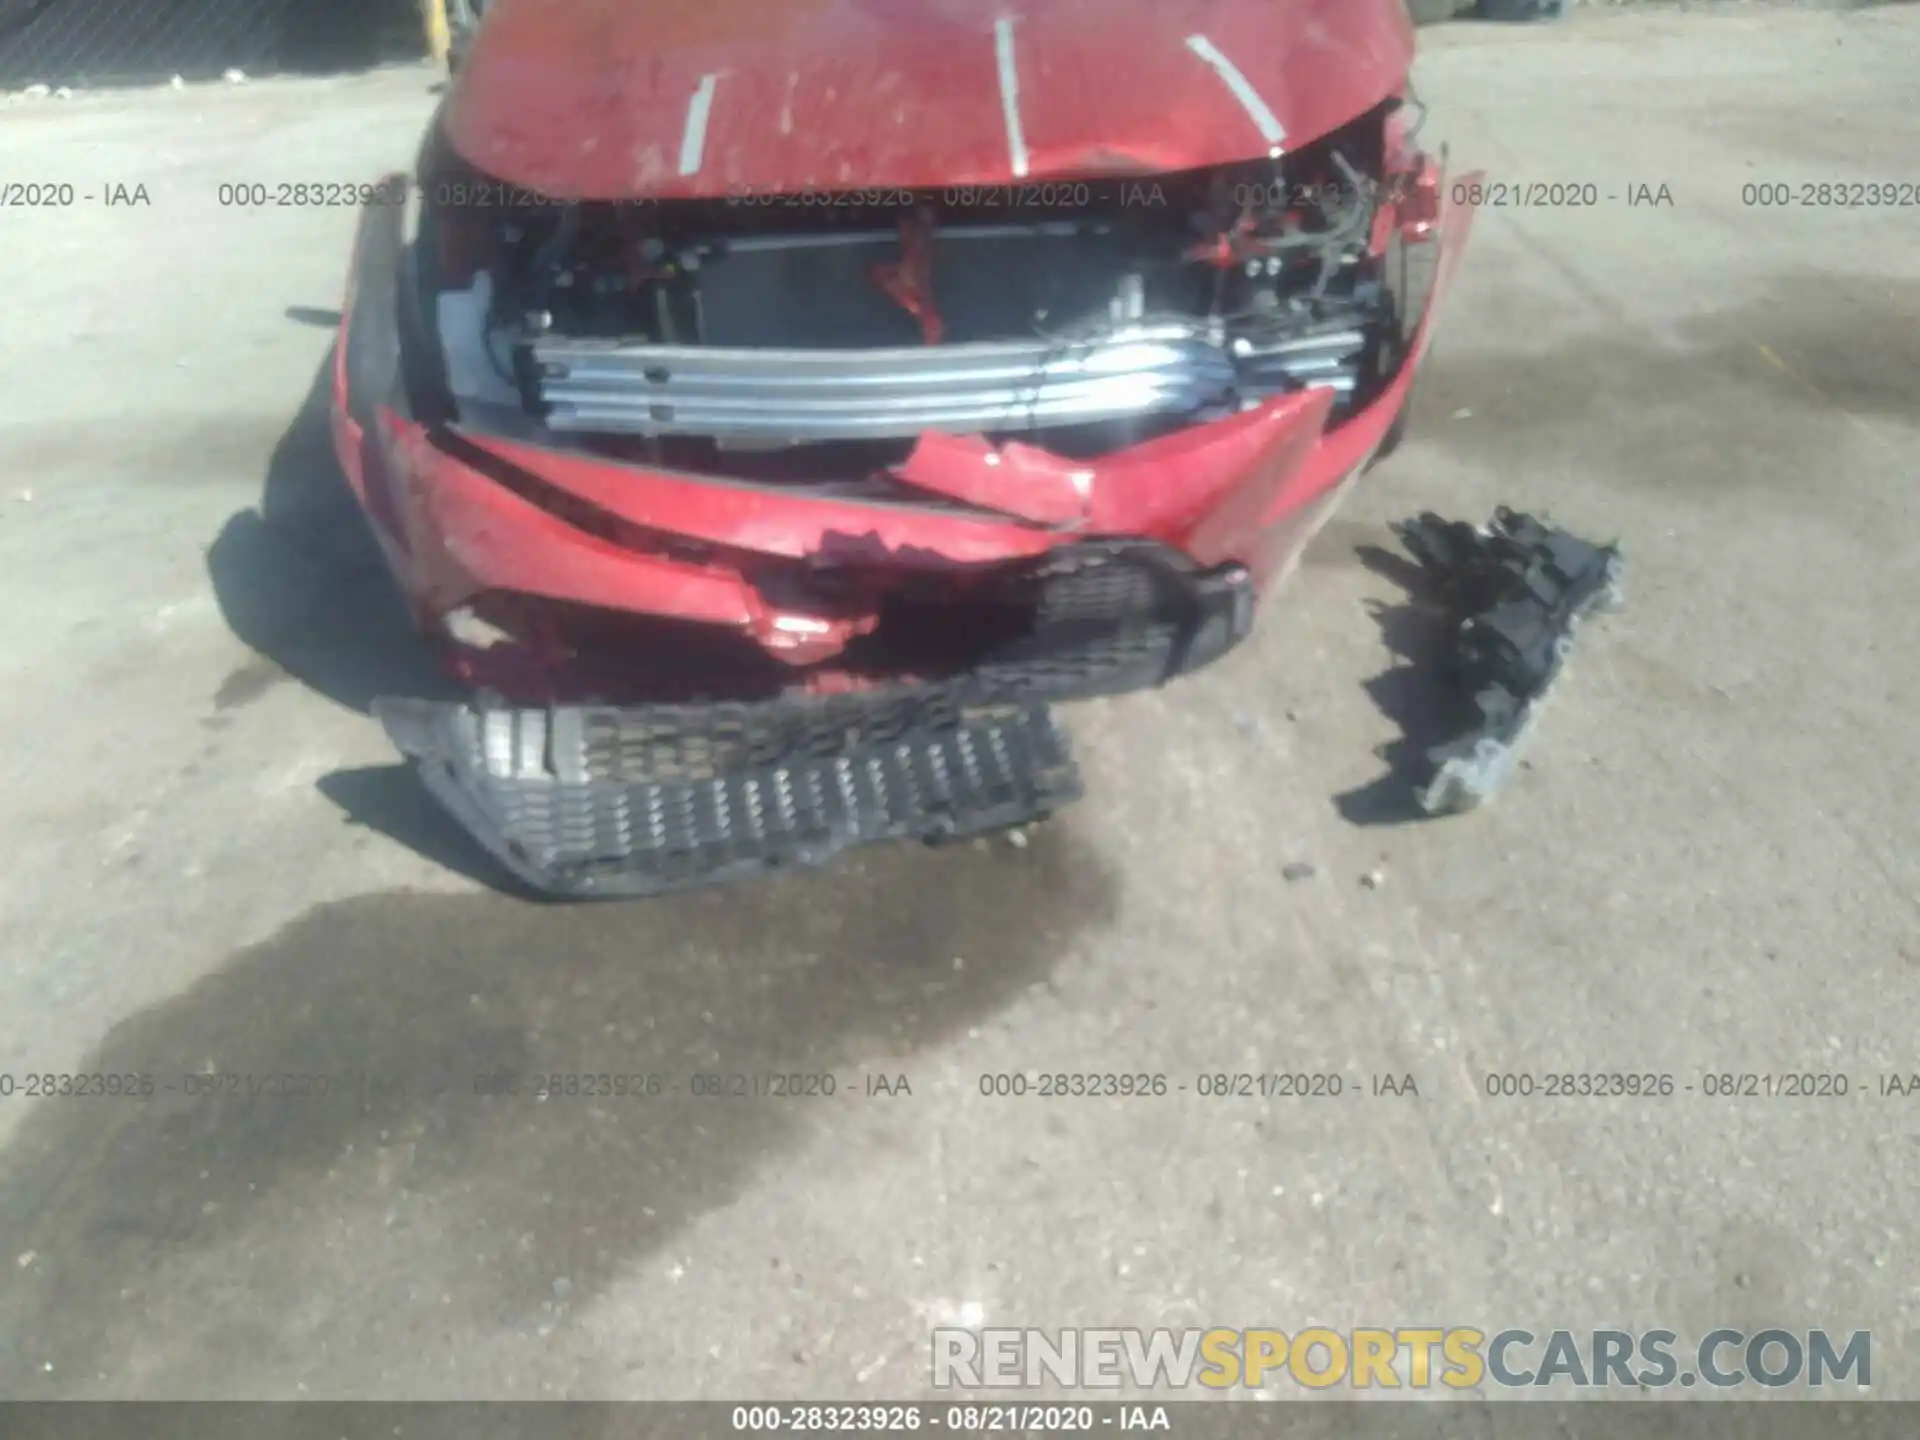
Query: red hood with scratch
<point x="612" y="99"/>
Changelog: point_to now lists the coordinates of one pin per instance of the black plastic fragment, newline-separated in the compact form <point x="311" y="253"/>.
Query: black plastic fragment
<point x="1515" y="590"/>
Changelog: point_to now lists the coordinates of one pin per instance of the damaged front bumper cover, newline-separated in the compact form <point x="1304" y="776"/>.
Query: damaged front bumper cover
<point x="1121" y="571"/>
<point x="621" y="801"/>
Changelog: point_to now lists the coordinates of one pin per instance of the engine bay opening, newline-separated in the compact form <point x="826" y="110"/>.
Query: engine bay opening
<point x="812" y="339"/>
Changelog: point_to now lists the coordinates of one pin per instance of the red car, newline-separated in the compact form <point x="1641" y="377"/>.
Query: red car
<point x="777" y="402"/>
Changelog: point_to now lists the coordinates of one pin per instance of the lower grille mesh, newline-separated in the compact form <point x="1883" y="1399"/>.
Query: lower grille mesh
<point x="616" y="835"/>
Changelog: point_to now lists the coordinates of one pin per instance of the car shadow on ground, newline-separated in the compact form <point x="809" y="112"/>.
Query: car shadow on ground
<point x="214" y="1238"/>
<point x="1415" y="693"/>
<point x="301" y="581"/>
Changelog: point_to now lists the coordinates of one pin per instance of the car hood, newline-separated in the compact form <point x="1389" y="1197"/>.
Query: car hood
<point x="615" y="99"/>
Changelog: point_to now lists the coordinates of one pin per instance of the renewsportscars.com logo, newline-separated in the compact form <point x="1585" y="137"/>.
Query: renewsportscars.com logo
<point x="1455" y="1358"/>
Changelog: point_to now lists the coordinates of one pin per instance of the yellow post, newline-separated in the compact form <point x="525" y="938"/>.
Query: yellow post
<point x="433" y="15"/>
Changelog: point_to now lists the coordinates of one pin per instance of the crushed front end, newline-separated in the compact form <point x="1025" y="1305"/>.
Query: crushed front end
<point x="766" y="523"/>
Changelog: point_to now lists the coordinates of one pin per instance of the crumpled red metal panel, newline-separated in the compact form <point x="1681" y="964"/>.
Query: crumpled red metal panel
<point x="720" y="98"/>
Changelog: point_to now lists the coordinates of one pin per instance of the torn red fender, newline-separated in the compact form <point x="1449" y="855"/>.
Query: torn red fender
<point x="1282" y="479"/>
<point x="1212" y="487"/>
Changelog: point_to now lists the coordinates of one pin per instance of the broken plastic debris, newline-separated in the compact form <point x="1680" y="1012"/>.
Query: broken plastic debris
<point x="1515" y="591"/>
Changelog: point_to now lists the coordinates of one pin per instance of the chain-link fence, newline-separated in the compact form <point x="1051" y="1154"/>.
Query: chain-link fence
<point x="95" y="42"/>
